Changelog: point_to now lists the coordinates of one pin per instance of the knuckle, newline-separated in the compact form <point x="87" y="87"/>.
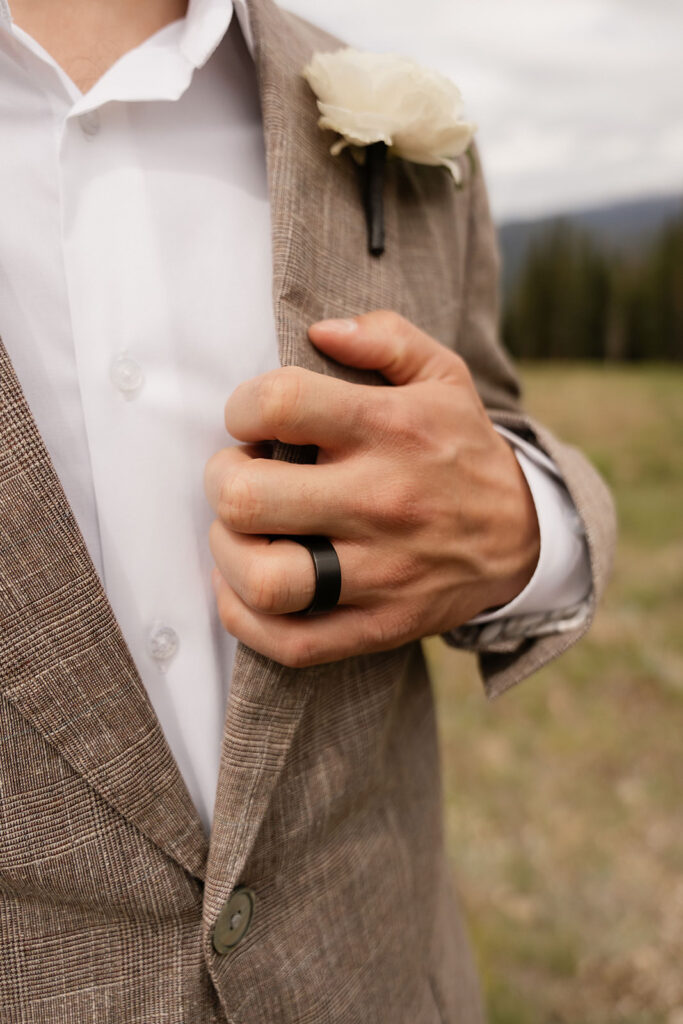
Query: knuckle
<point x="376" y="632"/>
<point x="402" y="504"/>
<point x="392" y="629"/>
<point x="237" y="501"/>
<point x="402" y="419"/>
<point x="279" y="397"/>
<point x="394" y="323"/>
<point x="401" y="332"/>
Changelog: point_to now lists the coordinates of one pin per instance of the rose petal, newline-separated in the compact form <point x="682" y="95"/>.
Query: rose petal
<point x="370" y="97"/>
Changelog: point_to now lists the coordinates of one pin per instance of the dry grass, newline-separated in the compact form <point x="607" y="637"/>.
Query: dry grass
<point x="565" y="797"/>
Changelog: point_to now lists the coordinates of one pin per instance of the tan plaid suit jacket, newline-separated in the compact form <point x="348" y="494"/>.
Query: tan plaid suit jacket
<point x="328" y="802"/>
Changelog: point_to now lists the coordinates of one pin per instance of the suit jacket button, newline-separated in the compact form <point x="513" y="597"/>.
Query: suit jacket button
<point x="233" y="921"/>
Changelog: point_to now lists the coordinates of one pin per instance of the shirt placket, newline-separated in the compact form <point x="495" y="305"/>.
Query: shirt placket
<point x="133" y="404"/>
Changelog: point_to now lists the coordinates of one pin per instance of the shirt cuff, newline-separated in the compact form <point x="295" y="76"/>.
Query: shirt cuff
<point x="562" y="578"/>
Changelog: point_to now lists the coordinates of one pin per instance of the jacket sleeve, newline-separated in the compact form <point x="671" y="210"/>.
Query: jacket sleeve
<point x="510" y="659"/>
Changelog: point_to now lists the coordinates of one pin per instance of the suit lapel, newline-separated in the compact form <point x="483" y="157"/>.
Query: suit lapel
<point x="321" y="268"/>
<point x="64" y="663"/>
<point x="266" y="700"/>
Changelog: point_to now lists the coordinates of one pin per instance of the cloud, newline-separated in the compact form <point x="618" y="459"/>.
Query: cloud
<point x="578" y="101"/>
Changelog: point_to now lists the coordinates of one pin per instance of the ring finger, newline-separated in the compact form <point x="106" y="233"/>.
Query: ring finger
<point x="278" y="577"/>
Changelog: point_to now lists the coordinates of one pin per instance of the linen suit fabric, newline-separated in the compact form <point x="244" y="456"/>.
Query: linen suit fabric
<point x="328" y="803"/>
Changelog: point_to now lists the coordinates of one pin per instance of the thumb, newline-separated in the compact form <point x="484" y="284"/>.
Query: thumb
<point x="387" y="342"/>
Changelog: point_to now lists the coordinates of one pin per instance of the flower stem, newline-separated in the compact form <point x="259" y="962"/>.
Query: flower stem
<point x="375" y="160"/>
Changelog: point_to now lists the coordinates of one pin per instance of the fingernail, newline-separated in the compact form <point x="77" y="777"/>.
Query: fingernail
<point x="336" y="326"/>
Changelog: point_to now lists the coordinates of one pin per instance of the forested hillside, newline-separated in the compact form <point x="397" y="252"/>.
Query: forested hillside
<point x="592" y="287"/>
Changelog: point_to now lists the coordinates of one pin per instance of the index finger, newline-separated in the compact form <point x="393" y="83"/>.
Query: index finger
<point x="301" y="407"/>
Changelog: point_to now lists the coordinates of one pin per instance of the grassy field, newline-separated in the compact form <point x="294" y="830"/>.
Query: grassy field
<point x="565" y="796"/>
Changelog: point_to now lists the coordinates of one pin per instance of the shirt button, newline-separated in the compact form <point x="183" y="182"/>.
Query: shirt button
<point x="234" y="919"/>
<point x="162" y="643"/>
<point x="90" y="123"/>
<point x="127" y="375"/>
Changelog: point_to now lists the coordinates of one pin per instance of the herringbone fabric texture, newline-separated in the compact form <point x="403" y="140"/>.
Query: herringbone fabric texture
<point x="329" y="801"/>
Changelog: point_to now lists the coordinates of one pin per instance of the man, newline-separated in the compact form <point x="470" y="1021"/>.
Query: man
<point x="178" y="845"/>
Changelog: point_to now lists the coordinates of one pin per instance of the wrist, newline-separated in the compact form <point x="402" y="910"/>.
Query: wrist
<point x="520" y="535"/>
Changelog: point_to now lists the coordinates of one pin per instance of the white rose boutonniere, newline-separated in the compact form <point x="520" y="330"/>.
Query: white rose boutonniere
<point x="382" y="102"/>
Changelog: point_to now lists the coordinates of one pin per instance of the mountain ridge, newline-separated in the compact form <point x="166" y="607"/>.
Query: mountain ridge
<point x="620" y="227"/>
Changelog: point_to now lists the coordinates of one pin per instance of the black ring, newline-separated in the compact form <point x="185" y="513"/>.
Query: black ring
<point x="328" y="579"/>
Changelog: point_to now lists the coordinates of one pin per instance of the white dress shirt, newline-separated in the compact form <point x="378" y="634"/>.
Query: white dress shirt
<point x="135" y="284"/>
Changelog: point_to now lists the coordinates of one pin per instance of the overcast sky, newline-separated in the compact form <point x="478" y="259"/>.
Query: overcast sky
<point x="577" y="101"/>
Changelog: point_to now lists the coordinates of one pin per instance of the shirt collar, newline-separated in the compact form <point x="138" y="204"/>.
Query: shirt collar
<point x="162" y="66"/>
<point x="205" y="24"/>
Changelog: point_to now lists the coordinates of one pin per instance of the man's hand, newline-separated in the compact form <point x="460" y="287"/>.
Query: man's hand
<point x="424" y="502"/>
